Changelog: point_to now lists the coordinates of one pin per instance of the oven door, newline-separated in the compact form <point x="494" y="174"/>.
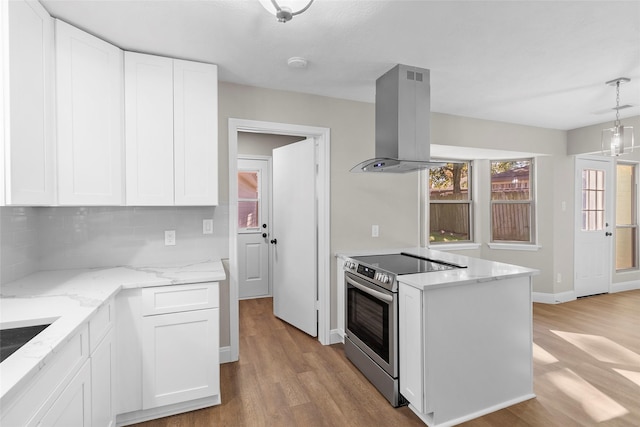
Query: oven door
<point x="371" y="321"/>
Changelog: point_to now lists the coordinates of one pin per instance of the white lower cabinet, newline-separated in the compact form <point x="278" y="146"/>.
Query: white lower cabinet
<point x="73" y="405"/>
<point x="179" y="357"/>
<point x="102" y="383"/>
<point x="49" y="395"/>
<point x="168" y="351"/>
<point x="411" y="344"/>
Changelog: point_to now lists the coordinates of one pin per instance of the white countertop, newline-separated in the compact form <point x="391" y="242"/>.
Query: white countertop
<point x="71" y="297"/>
<point x="477" y="271"/>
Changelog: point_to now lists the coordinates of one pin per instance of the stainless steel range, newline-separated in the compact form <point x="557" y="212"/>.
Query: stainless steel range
<point x="371" y="304"/>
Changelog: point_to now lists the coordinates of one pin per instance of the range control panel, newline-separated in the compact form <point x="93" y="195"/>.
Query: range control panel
<point x="381" y="278"/>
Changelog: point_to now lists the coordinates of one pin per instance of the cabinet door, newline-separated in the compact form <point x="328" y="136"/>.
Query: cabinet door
<point x="411" y="340"/>
<point x="180" y="357"/>
<point x="195" y="133"/>
<point x="73" y="406"/>
<point x="149" y="129"/>
<point x="89" y="83"/>
<point x="103" y="412"/>
<point x="28" y="103"/>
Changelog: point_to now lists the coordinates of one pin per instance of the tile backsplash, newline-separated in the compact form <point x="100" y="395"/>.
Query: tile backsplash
<point x="82" y="237"/>
<point x="18" y="242"/>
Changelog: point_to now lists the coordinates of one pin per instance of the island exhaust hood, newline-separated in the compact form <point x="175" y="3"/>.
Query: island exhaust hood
<point x="403" y="117"/>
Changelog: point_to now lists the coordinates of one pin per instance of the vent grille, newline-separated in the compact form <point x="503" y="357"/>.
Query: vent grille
<point x="412" y="75"/>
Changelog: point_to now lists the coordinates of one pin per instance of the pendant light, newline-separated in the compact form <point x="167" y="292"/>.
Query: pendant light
<point x="618" y="139"/>
<point x="287" y="11"/>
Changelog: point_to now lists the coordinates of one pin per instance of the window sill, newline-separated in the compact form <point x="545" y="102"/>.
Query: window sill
<point x="514" y="247"/>
<point x="454" y="246"/>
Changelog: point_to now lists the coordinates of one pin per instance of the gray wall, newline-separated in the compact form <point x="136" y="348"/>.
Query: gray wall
<point x="393" y="201"/>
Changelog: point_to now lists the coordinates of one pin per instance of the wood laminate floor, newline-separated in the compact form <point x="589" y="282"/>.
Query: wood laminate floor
<point x="586" y="373"/>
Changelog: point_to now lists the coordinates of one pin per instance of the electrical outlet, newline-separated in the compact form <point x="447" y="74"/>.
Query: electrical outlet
<point x="207" y="226"/>
<point x="170" y="238"/>
<point x="559" y="278"/>
<point x="375" y="231"/>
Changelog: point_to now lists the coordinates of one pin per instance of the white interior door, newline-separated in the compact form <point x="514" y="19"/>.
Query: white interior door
<point x="294" y="235"/>
<point x="594" y="225"/>
<point x="253" y="228"/>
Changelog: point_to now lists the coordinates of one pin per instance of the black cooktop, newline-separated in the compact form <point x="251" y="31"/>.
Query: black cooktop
<point x="403" y="263"/>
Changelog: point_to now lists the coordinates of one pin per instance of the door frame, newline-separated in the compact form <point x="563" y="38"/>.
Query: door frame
<point x="610" y="206"/>
<point x="322" y="137"/>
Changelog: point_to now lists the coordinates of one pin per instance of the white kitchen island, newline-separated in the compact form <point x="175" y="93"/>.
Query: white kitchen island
<point x="465" y="338"/>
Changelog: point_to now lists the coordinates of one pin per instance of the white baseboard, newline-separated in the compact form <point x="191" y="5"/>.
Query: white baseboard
<point x="567" y="296"/>
<point x="136" y="417"/>
<point x="546" y="298"/>
<point x="336" y="336"/>
<point x="625" y="286"/>
<point x="225" y="355"/>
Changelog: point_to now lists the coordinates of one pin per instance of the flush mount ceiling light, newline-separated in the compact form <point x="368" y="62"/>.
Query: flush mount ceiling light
<point x="618" y="139"/>
<point x="286" y="12"/>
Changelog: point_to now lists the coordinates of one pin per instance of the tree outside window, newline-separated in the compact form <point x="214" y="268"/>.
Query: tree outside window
<point x="450" y="207"/>
<point x="512" y="201"/>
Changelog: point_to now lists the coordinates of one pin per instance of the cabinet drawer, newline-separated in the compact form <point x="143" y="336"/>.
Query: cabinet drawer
<point x="100" y="324"/>
<point x="173" y="299"/>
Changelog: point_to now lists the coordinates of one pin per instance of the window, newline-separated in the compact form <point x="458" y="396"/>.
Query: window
<point x="592" y="200"/>
<point x="248" y="199"/>
<point x="512" y="201"/>
<point x="626" y="217"/>
<point x="450" y="207"/>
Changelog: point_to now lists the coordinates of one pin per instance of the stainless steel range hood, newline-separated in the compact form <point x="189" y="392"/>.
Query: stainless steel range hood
<point x="403" y="117"/>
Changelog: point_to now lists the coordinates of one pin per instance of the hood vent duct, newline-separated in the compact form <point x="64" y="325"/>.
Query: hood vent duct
<point x="403" y="118"/>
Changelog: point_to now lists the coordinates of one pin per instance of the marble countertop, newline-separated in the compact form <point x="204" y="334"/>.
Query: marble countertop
<point x="477" y="270"/>
<point x="69" y="298"/>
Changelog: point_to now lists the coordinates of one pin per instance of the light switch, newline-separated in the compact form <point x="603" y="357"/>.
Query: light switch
<point x="375" y="231"/>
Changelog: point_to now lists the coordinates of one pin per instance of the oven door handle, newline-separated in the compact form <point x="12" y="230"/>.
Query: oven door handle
<point x="372" y="292"/>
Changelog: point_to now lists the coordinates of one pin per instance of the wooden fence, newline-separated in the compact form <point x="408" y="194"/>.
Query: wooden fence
<point x="511" y="222"/>
<point x="449" y="218"/>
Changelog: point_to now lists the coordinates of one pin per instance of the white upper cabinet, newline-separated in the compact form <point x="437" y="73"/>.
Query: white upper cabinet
<point x="149" y="129"/>
<point x="171" y="110"/>
<point x="196" y="133"/>
<point x="89" y="83"/>
<point x="27" y="104"/>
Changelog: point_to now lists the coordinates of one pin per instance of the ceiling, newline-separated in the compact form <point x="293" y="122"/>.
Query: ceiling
<point x="538" y="63"/>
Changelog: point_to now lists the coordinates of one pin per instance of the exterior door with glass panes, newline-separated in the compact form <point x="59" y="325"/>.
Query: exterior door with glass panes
<point x="253" y="227"/>
<point x="594" y="226"/>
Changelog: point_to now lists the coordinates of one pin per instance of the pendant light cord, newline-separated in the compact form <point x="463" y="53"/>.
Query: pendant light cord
<point x="617" y="122"/>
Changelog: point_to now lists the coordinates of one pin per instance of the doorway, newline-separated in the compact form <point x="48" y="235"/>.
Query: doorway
<point x="594" y="225"/>
<point x="321" y="136"/>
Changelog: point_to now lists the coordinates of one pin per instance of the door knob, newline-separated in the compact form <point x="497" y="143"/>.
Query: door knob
<point x="274" y="241"/>
<point x="264" y="234"/>
<point x="608" y="234"/>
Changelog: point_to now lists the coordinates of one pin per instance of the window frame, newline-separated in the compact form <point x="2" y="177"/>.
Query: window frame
<point x="426" y="209"/>
<point x="258" y="200"/>
<point x="532" y="202"/>
<point x="634" y="225"/>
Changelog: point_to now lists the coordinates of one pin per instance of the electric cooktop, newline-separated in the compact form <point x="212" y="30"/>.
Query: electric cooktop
<point x="404" y="263"/>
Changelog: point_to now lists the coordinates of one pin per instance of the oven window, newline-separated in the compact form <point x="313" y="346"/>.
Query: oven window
<point x="368" y="319"/>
